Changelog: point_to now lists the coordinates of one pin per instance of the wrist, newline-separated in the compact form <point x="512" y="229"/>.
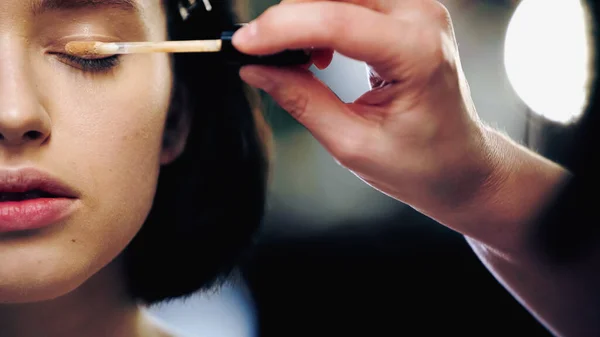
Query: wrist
<point x="519" y="184"/>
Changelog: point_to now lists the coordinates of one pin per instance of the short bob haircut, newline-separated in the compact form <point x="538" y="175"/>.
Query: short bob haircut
<point x="210" y="201"/>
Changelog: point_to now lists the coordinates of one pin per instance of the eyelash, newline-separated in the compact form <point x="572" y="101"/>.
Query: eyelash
<point x="91" y="65"/>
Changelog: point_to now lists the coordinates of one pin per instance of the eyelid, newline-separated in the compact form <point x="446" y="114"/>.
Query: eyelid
<point x="88" y="37"/>
<point x="58" y="45"/>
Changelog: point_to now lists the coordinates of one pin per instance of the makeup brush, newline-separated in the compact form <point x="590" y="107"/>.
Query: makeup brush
<point x="222" y="46"/>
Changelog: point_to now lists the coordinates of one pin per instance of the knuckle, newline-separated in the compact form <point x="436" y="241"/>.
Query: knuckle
<point x="444" y="54"/>
<point x="438" y="47"/>
<point x="335" y="20"/>
<point x="295" y="102"/>
<point x="429" y="40"/>
<point x="438" y="12"/>
<point x="435" y="47"/>
<point x="351" y="151"/>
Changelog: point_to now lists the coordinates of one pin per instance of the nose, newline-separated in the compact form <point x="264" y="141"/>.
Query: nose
<point x="23" y="120"/>
<point x="22" y="125"/>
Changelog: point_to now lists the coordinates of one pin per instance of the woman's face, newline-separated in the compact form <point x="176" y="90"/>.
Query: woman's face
<point x="94" y="125"/>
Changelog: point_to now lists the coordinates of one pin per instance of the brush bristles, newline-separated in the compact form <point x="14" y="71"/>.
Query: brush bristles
<point x="85" y="48"/>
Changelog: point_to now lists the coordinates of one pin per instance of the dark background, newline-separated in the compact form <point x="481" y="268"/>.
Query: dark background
<point x="418" y="279"/>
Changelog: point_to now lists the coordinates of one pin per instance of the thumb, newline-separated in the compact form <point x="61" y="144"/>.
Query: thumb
<point x="311" y="103"/>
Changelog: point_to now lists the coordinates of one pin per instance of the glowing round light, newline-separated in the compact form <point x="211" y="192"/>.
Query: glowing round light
<point x="547" y="57"/>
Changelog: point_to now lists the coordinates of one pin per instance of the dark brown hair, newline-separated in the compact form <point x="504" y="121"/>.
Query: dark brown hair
<point x="210" y="201"/>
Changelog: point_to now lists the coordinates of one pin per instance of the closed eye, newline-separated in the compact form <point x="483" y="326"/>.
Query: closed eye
<point x="92" y="65"/>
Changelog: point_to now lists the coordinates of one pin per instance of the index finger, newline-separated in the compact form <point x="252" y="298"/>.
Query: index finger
<point x="352" y="30"/>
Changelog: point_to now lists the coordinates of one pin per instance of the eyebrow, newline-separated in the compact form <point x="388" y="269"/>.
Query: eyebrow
<point x="53" y="5"/>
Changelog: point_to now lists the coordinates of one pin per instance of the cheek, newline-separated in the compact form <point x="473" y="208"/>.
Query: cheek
<point x="106" y="140"/>
<point x="114" y="124"/>
<point x="121" y="122"/>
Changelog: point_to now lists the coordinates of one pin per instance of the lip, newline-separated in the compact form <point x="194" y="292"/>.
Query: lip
<point x="35" y="213"/>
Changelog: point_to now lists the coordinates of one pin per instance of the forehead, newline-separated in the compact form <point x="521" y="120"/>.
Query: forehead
<point x="40" y="6"/>
<point x="149" y="14"/>
<point x="126" y="20"/>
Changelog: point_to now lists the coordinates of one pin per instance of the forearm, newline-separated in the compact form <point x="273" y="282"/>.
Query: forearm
<point x="566" y="299"/>
<point x="501" y="228"/>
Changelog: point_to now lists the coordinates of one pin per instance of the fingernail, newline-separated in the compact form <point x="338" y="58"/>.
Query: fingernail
<point x="257" y="77"/>
<point x="245" y="34"/>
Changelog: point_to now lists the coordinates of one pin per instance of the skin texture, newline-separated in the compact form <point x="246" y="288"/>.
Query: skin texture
<point x="101" y="133"/>
<point x="416" y="137"/>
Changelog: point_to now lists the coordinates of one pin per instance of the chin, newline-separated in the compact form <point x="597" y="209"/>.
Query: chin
<point x="42" y="273"/>
<point x="30" y="291"/>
